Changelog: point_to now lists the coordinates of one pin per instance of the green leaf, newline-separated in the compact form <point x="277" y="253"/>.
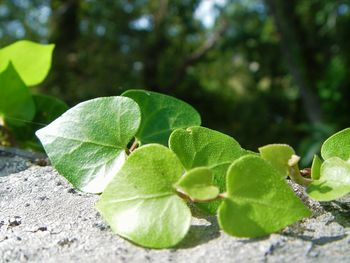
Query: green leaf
<point x="338" y="145"/>
<point x="48" y="108"/>
<point x="316" y="168"/>
<point x="198" y="184"/>
<point x="87" y="143"/>
<point x="259" y="201"/>
<point x="334" y="181"/>
<point x="198" y="147"/>
<point x="16" y="103"/>
<point x="278" y="156"/>
<point x="161" y="114"/>
<point x="141" y="204"/>
<point x="31" y="60"/>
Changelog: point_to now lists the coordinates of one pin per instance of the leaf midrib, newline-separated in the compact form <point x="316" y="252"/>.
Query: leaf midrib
<point x="154" y="196"/>
<point x="86" y="141"/>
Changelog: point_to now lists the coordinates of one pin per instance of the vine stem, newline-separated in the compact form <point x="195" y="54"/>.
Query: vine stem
<point x="134" y="146"/>
<point x="294" y="171"/>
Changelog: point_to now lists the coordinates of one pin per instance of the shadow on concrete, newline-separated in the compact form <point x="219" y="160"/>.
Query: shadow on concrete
<point x="200" y="234"/>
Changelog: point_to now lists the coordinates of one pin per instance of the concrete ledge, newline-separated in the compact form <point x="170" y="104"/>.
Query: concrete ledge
<point x="43" y="219"/>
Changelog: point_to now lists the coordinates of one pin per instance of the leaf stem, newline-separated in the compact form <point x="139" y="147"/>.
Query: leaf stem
<point x="186" y="197"/>
<point x="134" y="145"/>
<point x="294" y="172"/>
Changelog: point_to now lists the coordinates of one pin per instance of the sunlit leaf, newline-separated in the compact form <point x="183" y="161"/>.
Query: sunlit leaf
<point x="338" y="145"/>
<point x="203" y="147"/>
<point x="316" y="168"/>
<point x="16" y="103"/>
<point x="31" y="60"/>
<point x="259" y="201"/>
<point x="87" y="143"/>
<point x="334" y="181"/>
<point x="141" y="204"/>
<point x="198" y="184"/>
<point x="161" y="114"/>
<point x="278" y="155"/>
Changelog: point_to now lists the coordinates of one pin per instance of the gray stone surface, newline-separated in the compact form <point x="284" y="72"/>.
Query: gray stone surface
<point x="43" y="219"/>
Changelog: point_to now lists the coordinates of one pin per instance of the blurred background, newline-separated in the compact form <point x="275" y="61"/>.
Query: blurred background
<point x="261" y="71"/>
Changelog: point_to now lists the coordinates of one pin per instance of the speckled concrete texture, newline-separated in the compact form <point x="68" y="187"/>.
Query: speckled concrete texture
<point x="43" y="219"/>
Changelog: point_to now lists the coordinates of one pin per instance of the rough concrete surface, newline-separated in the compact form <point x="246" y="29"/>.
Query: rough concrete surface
<point x="43" y="219"/>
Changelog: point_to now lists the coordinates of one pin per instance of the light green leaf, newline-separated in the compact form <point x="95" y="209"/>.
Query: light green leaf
<point x="259" y="200"/>
<point x="316" y="168"/>
<point x="198" y="184"/>
<point x="278" y="156"/>
<point x="16" y="103"/>
<point x="161" y="114"/>
<point x="334" y="181"/>
<point x="199" y="146"/>
<point x="31" y="60"/>
<point x="338" y="145"/>
<point x="141" y="204"/>
<point x="87" y="143"/>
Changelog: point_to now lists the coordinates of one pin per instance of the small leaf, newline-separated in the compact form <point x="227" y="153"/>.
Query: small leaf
<point x="31" y="60"/>
<point x="334" y="181"/>
<point x="141" y="204"/>
<point x="259" y="200"/>
<point x="278" y="156"/>
<point x="316" y="168"/>
<point x="161" y="114"/>
<point x="16" y="102"/>
<point x="198" y="184"/>
<point x="338" y="145"/>
<point x="87" y="143"/>
<point x="198" y="147"/>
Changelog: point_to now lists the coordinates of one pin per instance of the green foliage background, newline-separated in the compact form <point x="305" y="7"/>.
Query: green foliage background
<point x="265" y="71"/>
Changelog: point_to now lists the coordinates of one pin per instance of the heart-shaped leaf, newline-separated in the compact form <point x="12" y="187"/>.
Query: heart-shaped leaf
<point x="334" y="181"/>
<point x="316" y="168"/>
<point x="338" y="145"/>
<point x="198" y="184"/>
<point x="141" y="204"/>
<point x="16" y="103"/>
<point x="198" y="147"/>
<point x="87" y="143"/>
<point x="259" y="201"/>
<point x="161" y="114"/>
<point x="278" y="155"/>
<point x="31" y="60"/>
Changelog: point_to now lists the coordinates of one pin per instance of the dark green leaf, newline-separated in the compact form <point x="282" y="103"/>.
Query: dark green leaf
<point x="16" y="103"/>
<point x="161" y="114"/>
<point x="259" y="201"/>
<point x="141" y="204"/>
<point x="87" y="143"/>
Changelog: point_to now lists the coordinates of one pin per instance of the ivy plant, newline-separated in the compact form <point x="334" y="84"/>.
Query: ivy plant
<point x="148" y="156"/>
<point x="23" y="65"/>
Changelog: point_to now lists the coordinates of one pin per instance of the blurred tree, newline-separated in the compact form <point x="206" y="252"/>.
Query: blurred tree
<point x="262" y="71"/>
